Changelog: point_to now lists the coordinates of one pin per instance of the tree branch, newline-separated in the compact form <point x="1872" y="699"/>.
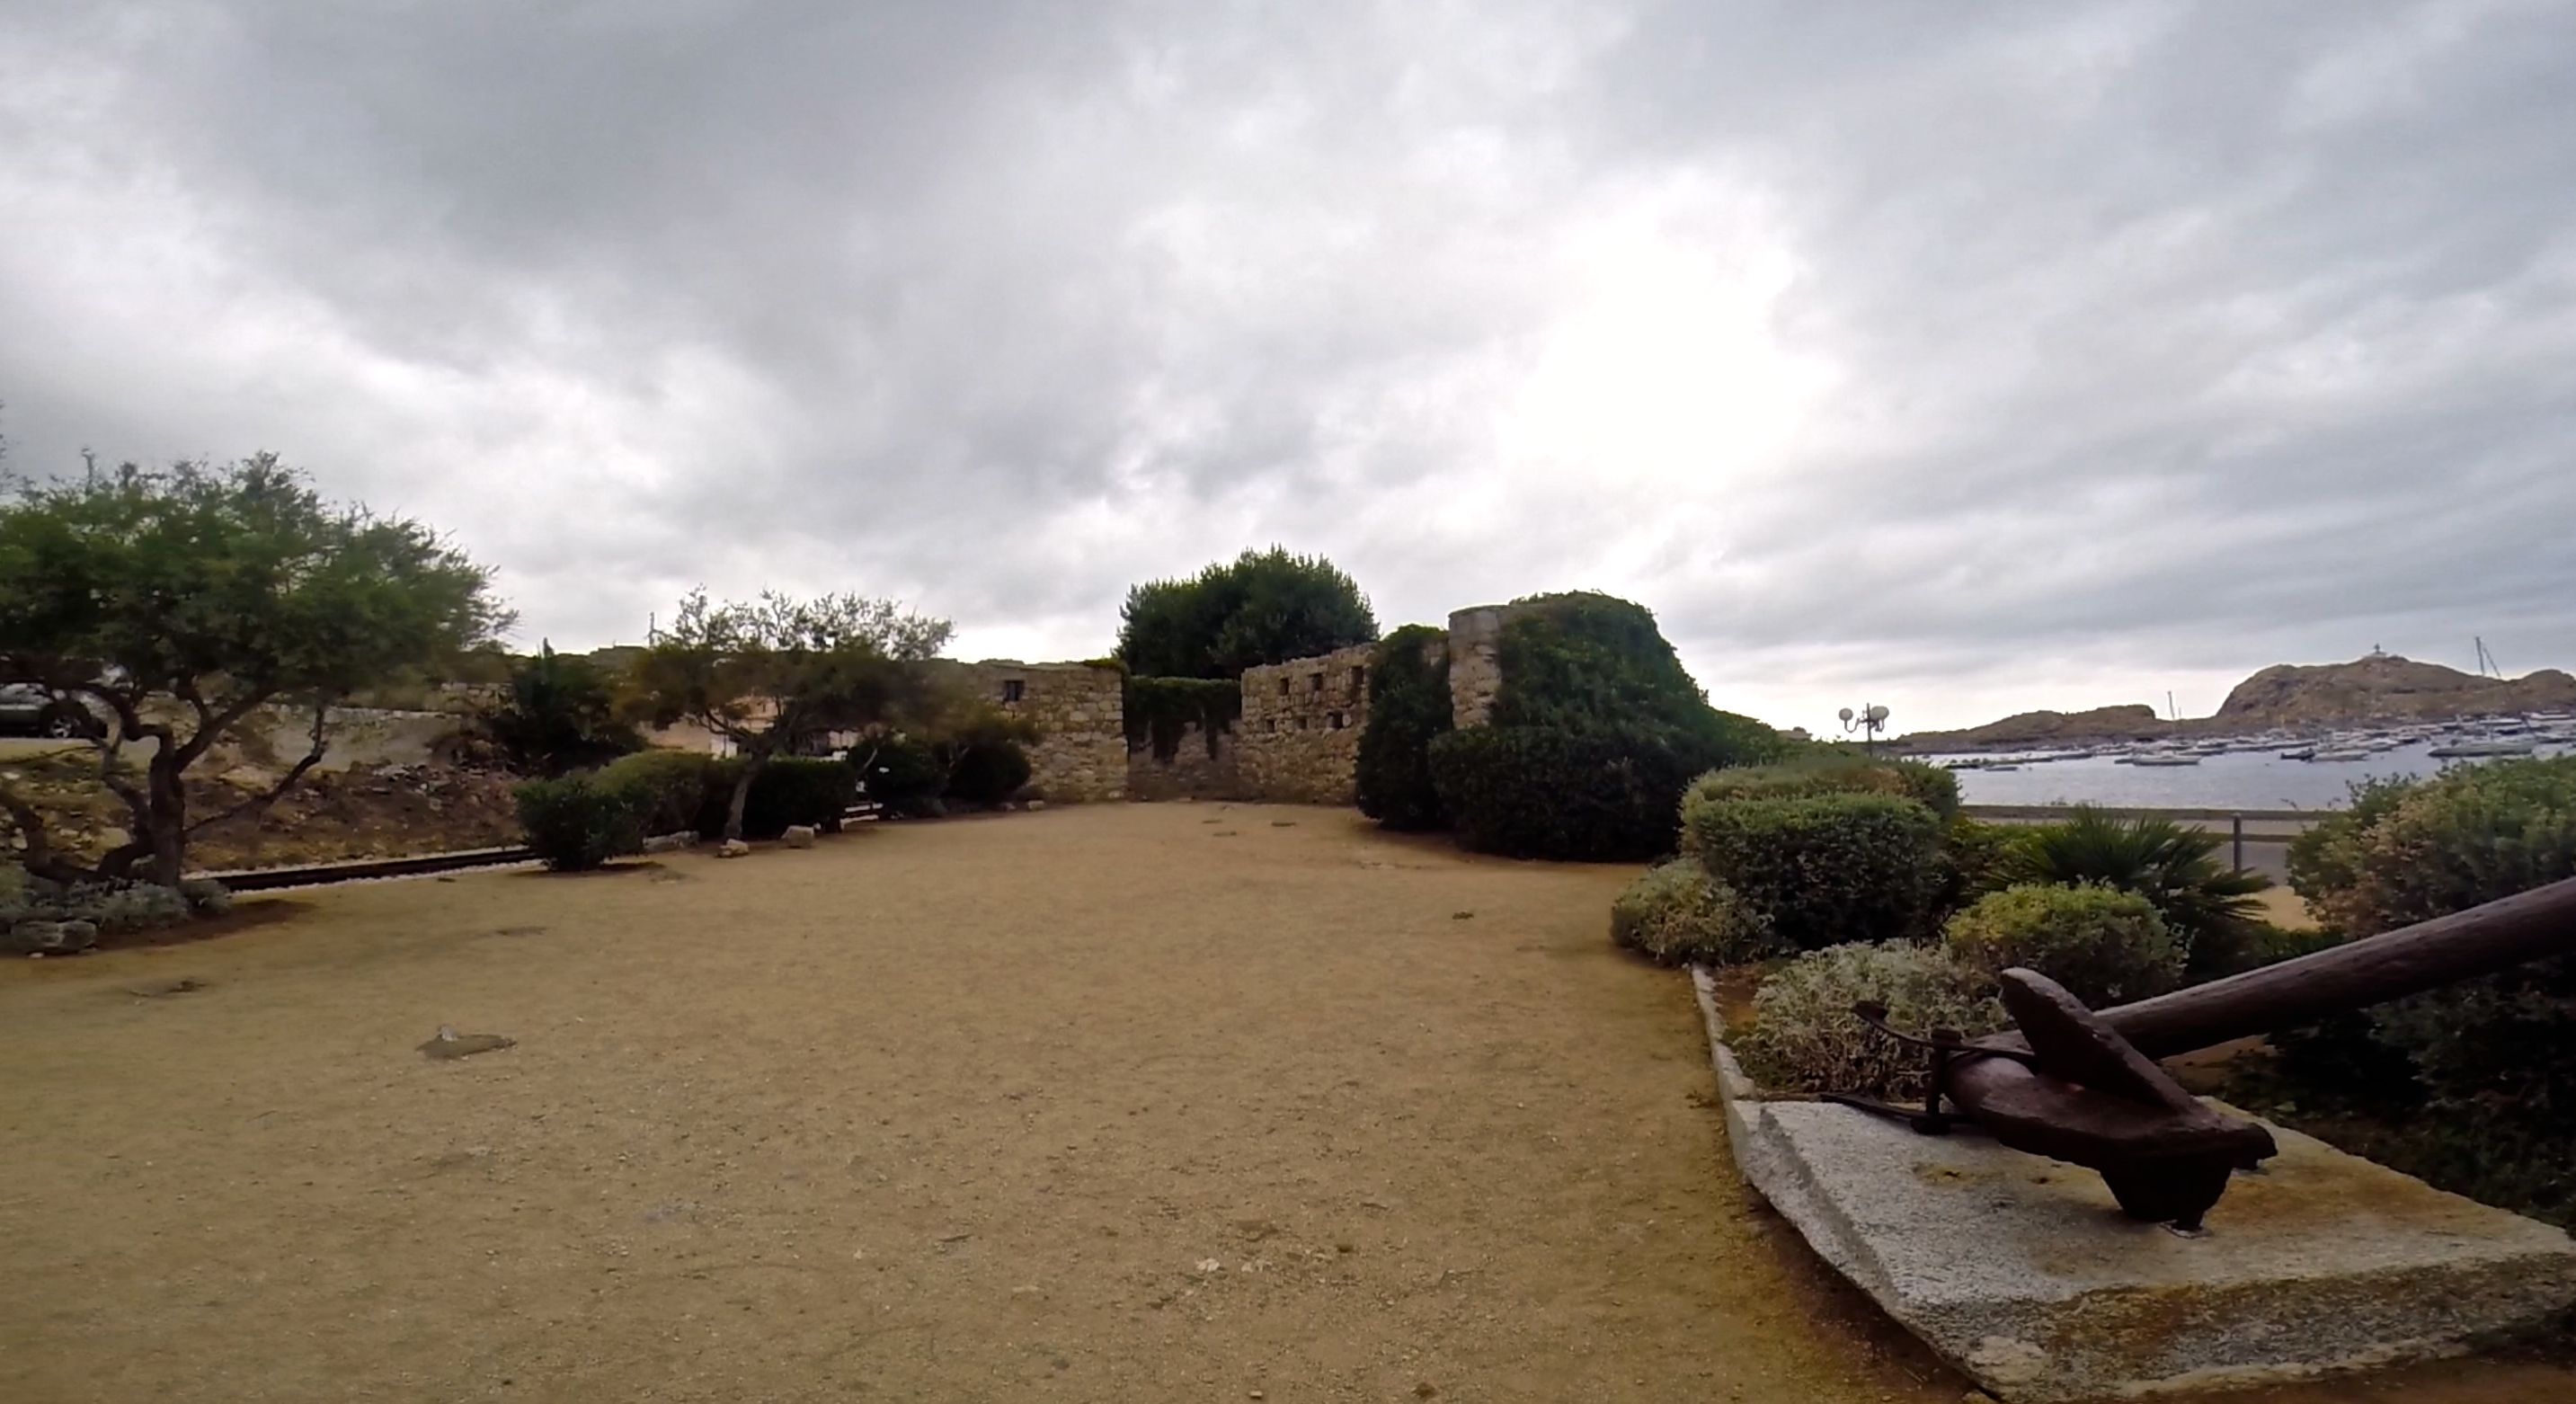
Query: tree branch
<point x="312" y="758"/>
<point x="36" y="850"/>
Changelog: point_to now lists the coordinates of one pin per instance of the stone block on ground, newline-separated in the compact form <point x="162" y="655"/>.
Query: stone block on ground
<point x="670" y="843"/>
<point x="798" y="836"/>
<point x="2022" y="1272"/>
<point x="733" y="848"/>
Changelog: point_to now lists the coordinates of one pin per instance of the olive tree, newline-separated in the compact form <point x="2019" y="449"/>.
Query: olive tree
<point x="771" y="673"/>
<point x="171" y="603"/>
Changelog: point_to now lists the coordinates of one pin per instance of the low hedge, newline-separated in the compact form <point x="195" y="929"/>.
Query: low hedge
<point x="1928" y="785"/>
<point x="2104" y="945"/>
<point x="1538" y="792"/>
<point x="1409" y="708"/>
<point x="579" y="821"/>
<point x="1826" y="869"/>
<point x="678" y="791"/>
<point x="1676" y="914"/>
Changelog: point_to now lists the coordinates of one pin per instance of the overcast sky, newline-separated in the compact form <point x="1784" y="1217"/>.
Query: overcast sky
<point x="1960" y="358"/>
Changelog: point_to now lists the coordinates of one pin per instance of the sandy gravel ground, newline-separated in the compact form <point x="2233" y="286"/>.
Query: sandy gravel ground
<point x="1125" y="1103"/>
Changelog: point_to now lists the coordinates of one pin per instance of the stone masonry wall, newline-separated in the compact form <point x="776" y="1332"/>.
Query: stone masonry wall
<point x="1300" y="732"/>
<point x="1192" y="772"/>
<point x="1081" y="751"/>
<point x="1475" y="663"/>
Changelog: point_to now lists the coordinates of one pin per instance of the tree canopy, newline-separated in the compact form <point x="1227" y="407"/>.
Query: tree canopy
<point x="769" y="673"/>
<point x="1261" y="607"/>
<point x="172" y="602"/>
<point x="557" y="714"/>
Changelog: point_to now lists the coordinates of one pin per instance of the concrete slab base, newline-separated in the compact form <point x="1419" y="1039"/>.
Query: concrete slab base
<point x="2023" y="1273"/>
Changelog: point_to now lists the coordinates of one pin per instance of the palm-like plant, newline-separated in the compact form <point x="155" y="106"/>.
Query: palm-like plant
<point x="2177" y="869"/>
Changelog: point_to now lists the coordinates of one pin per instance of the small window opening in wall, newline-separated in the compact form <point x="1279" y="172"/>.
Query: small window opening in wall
<point x="1270" y="724"/>
<point x="1333" y="720"/>
<point x="1315" y="683"/>
<point x="1301" y="723"/>
<point x="1359" y="681"/>
<point x="1013" y="689"/>
<point x="1283" y="684"/>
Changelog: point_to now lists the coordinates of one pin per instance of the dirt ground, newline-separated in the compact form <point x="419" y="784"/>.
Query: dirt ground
<point x="1167" y="1102"/>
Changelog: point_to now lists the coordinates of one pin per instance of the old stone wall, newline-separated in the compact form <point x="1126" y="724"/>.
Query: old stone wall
<point x="1301" y="726"/>
<point x="1081" y="751"/>
<point x="1194" y="770"/>
<point x="1475" y="663"/>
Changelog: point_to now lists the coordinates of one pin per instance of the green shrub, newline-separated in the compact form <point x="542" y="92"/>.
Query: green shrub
<point x="2105" y="946"/>
<point x="205" y="896"/>
<point x="667" y="789"/>
<point x="788" y="790"/>
<point x="114" y="907"/>
<point x="1676" y="914"/>
<point x="1833" y="774"/>
<point x="1827" y="869"/>
<point x="987" y="774"/>
<point x="1536" y="792"/>
<point x="2211" y="909"/>
<point x="557" y="714"/>
<point x="578" y="822"/>
<point x="1408" y="709"/>
<point x="809" y="790"/>
<point x="1158" y="710"/>
<point x="900" y="773"/>
<point x="2478" y="1078"/>
<point x="1805" y="1038"/>
<point x="2409" y="853"/>
<point x="1976" y="858"/>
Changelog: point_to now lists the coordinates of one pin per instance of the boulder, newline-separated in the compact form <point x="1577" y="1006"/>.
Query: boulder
<point x="798" y="836"/>
<point x="733" y="848"/>
<point x="670" y="843"/>
<point x="1035" y="805"/>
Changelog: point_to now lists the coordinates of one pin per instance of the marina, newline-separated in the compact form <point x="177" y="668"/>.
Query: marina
<point x="2268" y="771"/>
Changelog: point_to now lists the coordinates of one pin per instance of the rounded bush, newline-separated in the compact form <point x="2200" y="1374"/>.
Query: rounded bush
<point x="1538" y="792"/>
<point x="1827" y="869"/>
<point x="1805" y="1037"/>
<point x="1409" y="707"/>
<point x="1676" y="914"/>
<point x="2104" y="945"/>
<point x="578" y="822"/>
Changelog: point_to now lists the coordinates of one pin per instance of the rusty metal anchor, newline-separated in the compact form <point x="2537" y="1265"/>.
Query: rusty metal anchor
<point x="2083" y="1086"/>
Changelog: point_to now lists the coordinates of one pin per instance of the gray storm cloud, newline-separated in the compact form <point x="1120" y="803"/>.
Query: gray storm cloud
<point x="2029" y="356"/>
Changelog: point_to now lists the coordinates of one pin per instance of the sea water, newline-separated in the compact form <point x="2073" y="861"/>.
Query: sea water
<point x="2237" y="780"/>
